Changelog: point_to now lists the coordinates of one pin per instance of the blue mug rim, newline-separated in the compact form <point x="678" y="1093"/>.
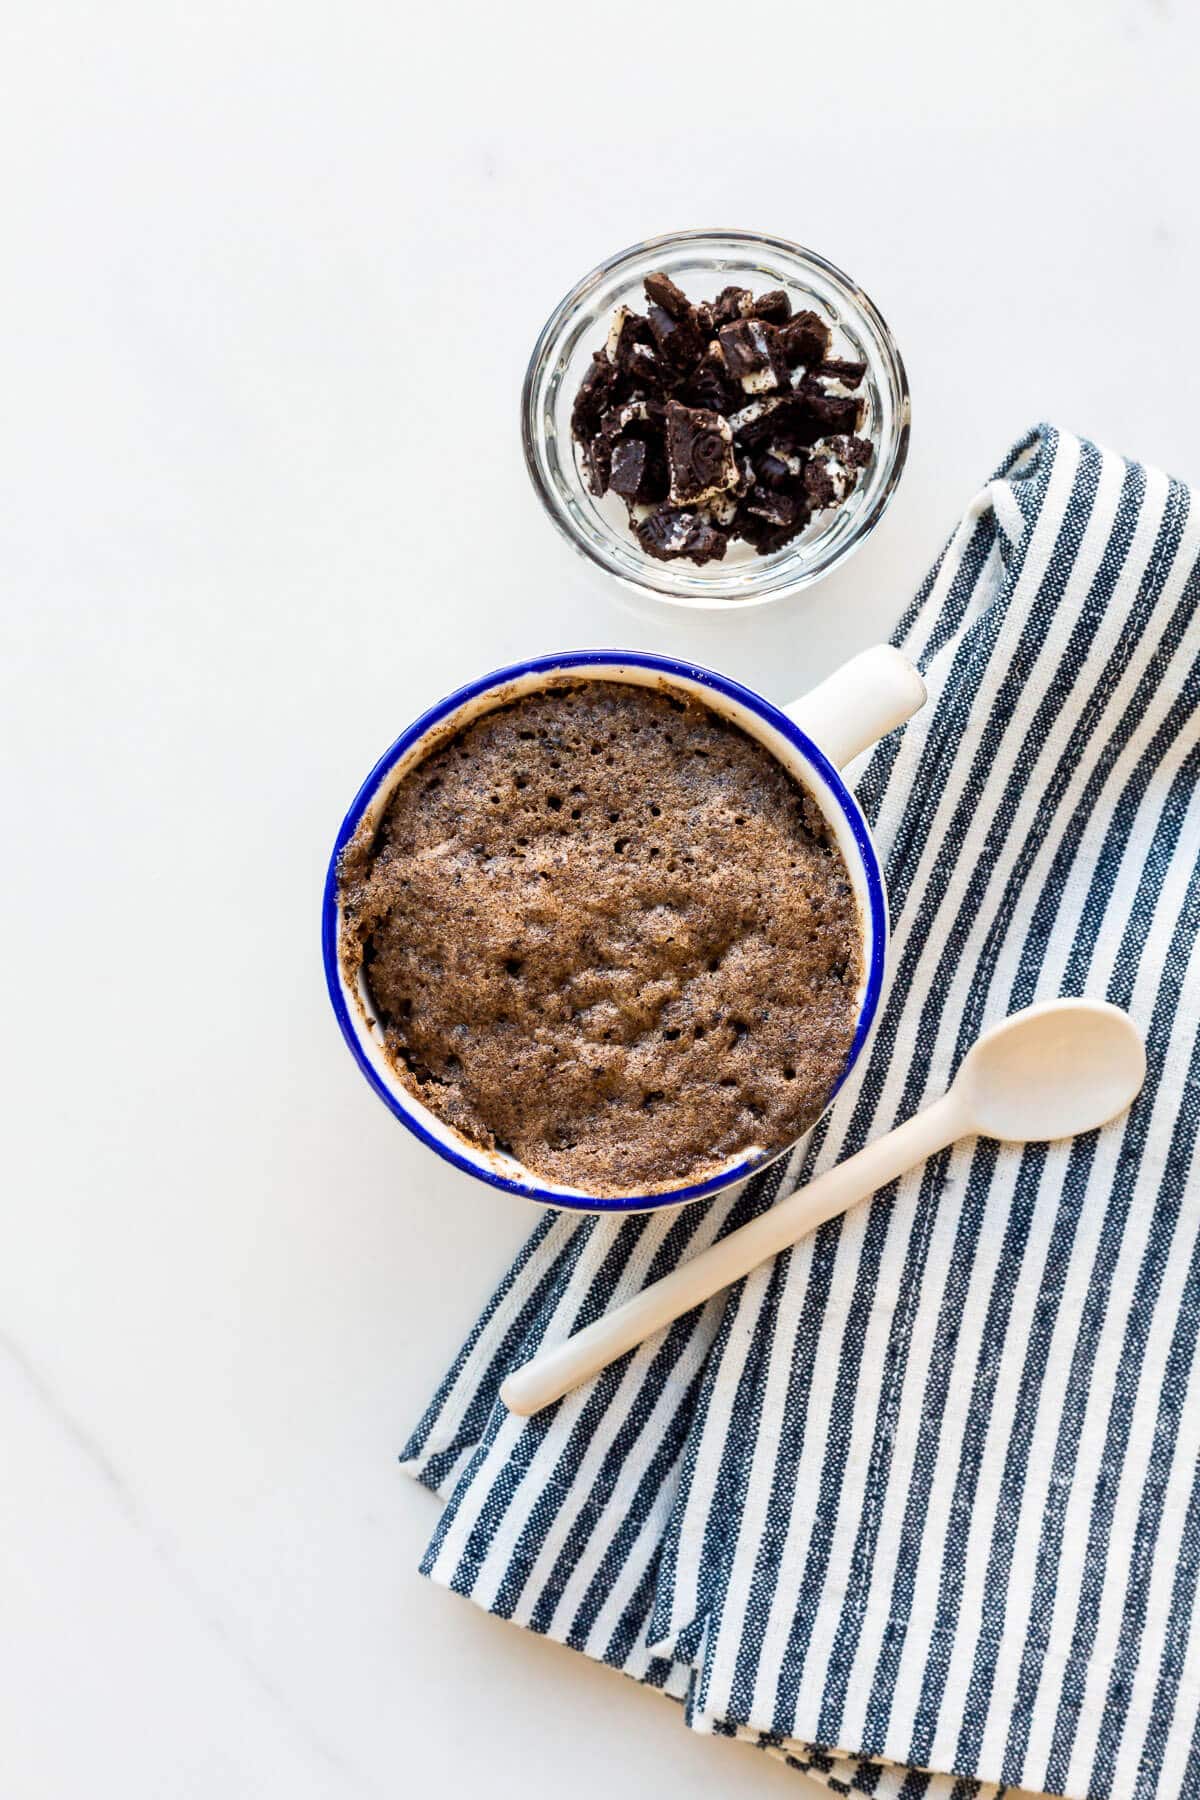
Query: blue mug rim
<point x="552" y="663"/>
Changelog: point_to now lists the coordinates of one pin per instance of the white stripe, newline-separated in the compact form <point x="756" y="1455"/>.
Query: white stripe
<point x="758" y="1484"/>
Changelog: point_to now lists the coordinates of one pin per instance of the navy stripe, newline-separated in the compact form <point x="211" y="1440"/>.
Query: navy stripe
<point x="1154" y="1488"/>
<point x="916" y="1785"/>
<point x="1172" y="1665"/>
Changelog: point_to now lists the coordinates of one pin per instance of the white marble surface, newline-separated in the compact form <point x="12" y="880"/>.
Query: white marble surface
<point x="261" y="263"/>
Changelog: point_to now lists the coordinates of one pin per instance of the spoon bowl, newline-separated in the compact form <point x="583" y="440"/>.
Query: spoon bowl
<point x="1051" y="1071"/>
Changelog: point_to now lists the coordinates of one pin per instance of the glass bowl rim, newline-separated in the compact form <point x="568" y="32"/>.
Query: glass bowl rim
<point x="789" y="577"/>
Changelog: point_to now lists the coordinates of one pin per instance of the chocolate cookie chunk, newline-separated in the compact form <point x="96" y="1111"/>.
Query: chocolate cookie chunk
<point x="774" y="306"/>
<point x="850" y="374"/>
<point x="731" y="303"/>
<point x="710" y="383"/>
<point x="832" y="469"/>
<point x="639" y="471"/>
<point x="678" y="340"/>
<point x="771" y="517"/>
<point x="700" y="456"/>
<point x="805" y="340"/>
<point x="753" y="355"/>
<point x="662" y="291"/>
<point x="596" y="393"/>
<point x="671" y="532"/>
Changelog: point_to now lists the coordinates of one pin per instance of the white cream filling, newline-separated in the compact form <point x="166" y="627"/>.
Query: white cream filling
<point x="750" y="415"/>
<point x="721" y="510"/>
<point x="614" y="332"/>
<point x="760" y="382"/>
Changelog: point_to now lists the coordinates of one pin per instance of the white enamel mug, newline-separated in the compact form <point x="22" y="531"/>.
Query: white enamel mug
<point x="814" y="738"/>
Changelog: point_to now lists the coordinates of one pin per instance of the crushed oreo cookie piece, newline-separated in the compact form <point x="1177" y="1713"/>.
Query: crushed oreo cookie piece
<point x="753" y="355"/>
<point x="710" y="383"/>
<point x="597" y="391"/>
<point x="679" y="342"/>
<point x="627" y="329"/>
<point x="806" y="340"/>
<point x="772" y="517"/>
<point x="731" y="303"/>
<point x="628" y="468"/>
<point x="661" y="291"/>
<point x="699" y="454"/>
<point x="833" y="413"/>
<point x="669" y="532"/>
<point x="832" y="469"/>
<point x="596" y="456"/>
<point x="776" y="467"/>
<point x="775" y="306"/>
<point x="720" y="420"/>
<point x="850" y="374"/>
<point x="639" y="471"/>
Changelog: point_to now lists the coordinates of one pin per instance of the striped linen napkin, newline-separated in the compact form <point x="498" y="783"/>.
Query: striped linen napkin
<point x="916" y="1507"/>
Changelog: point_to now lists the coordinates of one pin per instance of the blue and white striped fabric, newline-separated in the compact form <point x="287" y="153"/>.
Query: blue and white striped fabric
<point x="917" y="1506"/>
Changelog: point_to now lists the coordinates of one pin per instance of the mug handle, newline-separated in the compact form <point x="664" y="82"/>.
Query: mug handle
<point x="859" y="703"/>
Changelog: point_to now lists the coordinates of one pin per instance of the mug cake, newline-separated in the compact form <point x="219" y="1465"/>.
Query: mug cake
<point x="602" y="929"/>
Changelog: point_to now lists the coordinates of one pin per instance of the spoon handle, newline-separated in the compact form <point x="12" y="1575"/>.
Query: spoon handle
<point x="556" y="1371"/>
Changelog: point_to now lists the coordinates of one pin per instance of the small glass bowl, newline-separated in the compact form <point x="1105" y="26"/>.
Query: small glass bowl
<point x="703" y="262"/>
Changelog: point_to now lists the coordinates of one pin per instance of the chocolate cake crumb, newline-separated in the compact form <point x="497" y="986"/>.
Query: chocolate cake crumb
<point x="604" y="929"/>
<point x="707" y="413"/>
